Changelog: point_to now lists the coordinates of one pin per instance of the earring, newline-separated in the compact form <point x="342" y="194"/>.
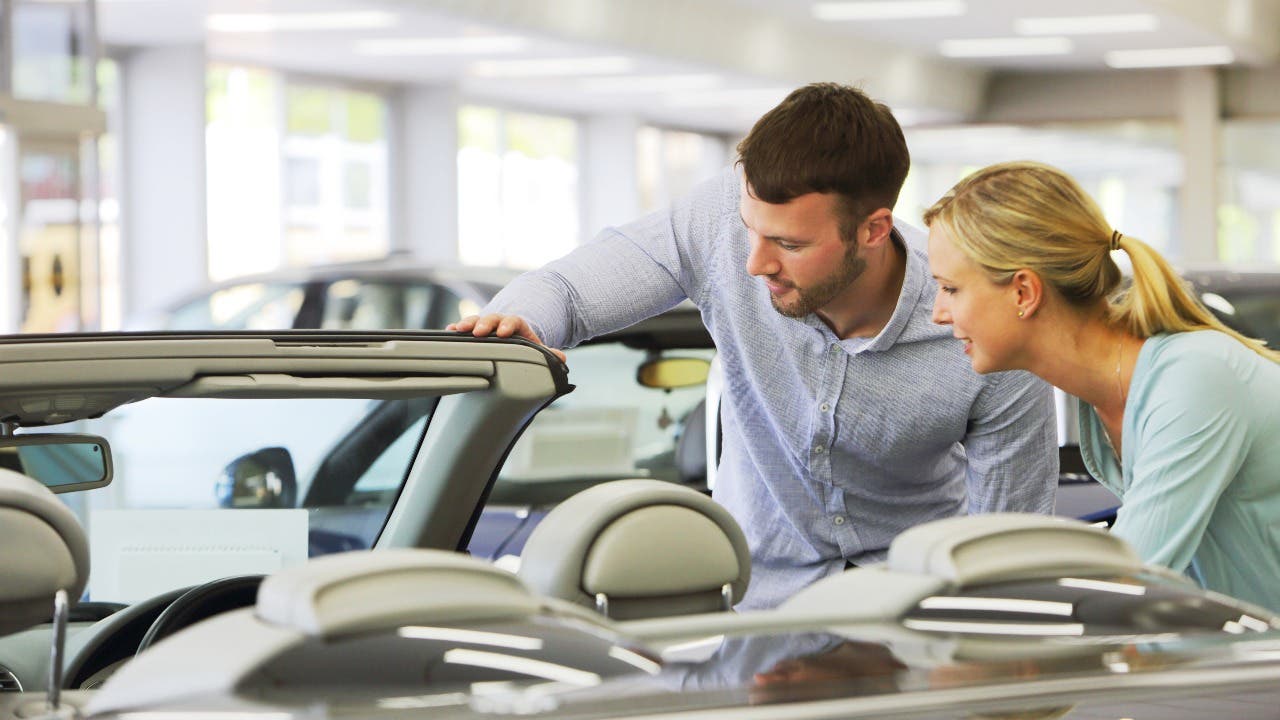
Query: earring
<point x="1022" y="313"/>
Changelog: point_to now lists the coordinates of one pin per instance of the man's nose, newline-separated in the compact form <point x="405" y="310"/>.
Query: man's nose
<point x="760" y="261"/>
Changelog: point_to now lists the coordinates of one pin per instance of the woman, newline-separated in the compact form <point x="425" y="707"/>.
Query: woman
<point x="1179" y="415"/>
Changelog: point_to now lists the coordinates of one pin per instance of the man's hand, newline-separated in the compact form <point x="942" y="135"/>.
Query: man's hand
<point x="501" y="326"/>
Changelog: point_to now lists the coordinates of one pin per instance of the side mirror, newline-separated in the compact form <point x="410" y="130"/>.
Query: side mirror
<point x="668" y="373"/>
<point x="62" y="462"/>
<point x="262" y="479"/>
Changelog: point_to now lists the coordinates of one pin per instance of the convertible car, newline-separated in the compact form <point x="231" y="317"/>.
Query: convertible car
<point x="188" y="607"/>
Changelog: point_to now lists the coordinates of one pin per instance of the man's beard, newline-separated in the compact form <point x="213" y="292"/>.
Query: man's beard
<point x="817" y="296"/>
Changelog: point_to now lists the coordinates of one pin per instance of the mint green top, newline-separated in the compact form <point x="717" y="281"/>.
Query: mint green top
<point x="1201" y="467"/>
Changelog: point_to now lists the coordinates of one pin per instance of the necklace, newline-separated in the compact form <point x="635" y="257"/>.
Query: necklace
<point x="1119" y="362"/>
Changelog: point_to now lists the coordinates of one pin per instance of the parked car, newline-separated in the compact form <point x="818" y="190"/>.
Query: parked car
<point x="610" y="616"/>
<point x="391" y="293"/>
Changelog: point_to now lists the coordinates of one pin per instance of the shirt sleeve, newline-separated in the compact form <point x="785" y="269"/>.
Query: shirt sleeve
<point x="1189" y="444"/>
<point x="625" y="274"/>
<point x="1012" y="446"/>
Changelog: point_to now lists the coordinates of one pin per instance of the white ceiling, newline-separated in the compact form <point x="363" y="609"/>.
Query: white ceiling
<point x="713" y="64"/>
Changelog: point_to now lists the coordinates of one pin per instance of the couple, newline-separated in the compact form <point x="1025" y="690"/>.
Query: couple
<point x="851" y="413"/>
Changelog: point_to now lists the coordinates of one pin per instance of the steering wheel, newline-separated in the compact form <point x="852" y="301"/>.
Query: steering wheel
<point x="200" y="602"/>
<point x="92" y="655"/>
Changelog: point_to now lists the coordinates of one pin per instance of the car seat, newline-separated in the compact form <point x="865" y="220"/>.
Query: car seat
<point x="637" y="549"/>
<point x="44" y="551"/>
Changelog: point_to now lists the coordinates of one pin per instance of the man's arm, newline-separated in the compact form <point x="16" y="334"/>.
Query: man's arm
<point x="623" y="276"/>
<point x="1012" y="446"/>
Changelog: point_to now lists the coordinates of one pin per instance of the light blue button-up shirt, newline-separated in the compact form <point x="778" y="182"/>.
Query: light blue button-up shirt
<point x="831" y="447"/>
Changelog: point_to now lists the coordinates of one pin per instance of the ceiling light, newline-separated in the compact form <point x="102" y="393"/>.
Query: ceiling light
<point x="1087" y="24"/>
<point x="649" y="83"/>
<point x="266" y="22"/>
<point x="553" y="67"/>
<point x="746" y="98"/>
<point x="1005" y="47"/>
<point x="1170" y="57"/>
<point x="442" y="45"/>
<point x="893" y="10"/>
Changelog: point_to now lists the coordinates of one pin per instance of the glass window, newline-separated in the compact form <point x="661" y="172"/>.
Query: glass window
<point x="609" y="428"/>
<point x="671" y="162"/>
<point x="1249" y="209"/>
<point x="49" y="58"/>
<point x="274" y="485"/>
<point x="298" y="172"/>
<point x="358" y="305"/>
<point x="518" y="191"/>
<point x="1133" y="169"/>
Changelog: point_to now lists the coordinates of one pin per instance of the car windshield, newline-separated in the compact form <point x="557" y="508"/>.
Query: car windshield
<point x="209" y="488"/>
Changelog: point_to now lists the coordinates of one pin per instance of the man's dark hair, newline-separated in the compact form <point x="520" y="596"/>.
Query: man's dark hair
<point x="827" y="138"/>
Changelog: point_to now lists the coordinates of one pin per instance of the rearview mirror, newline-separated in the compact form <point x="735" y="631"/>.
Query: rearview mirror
<point x="668" y="373"/>
<point x="62" y="462"/>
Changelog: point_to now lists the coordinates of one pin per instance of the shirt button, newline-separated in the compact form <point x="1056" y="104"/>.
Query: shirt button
<point x="819" y="449"/>
<point x="824" y="407"/>
<point x="839" y="519"/>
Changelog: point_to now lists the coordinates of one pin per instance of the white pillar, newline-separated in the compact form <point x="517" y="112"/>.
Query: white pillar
<point x="424" y="173"/>
<point x="163" y="232"/>
<point x="1200" y="119"/>
<point x="610" y="191"/>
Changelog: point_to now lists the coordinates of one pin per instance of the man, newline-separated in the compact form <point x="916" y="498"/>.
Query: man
<point x="848" y="416"/>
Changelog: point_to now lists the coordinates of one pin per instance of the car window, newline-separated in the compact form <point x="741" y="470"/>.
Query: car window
<point x="1255" y="313"/>
<point x="609" y="428"/>
<point x="249" y="306"/>
<point x="209" y="488"/>
<point x="352" y="304"/>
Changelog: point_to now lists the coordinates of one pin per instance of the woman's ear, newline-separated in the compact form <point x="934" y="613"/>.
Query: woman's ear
<point x="1028" y="292"/>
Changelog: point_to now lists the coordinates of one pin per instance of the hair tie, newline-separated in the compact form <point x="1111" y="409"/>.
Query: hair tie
<point x="1115" y="240"/>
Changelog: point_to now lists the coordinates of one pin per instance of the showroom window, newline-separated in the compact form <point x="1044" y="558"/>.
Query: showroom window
<point x="670" y="162"/>
<point x="1249" y="193"/>
<point x="518" y="192"/>
<point x="297" y="172"/>
<point x="1133" y="169"/>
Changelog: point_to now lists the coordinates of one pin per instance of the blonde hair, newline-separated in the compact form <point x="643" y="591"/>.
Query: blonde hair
<point x="1016" y="215"/>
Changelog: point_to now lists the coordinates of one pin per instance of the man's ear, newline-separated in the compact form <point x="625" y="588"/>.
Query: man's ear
<point x="1028" y="292"/>
<point x="878" y="225"/>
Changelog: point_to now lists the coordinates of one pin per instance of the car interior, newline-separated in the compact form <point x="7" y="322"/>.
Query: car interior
<point x="624" y="587"/>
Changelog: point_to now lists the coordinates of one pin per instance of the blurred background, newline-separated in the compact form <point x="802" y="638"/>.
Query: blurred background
<point x="149" y="148"/>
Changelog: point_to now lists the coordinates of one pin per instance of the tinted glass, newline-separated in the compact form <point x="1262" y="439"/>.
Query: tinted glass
<point x="353" y="304"/>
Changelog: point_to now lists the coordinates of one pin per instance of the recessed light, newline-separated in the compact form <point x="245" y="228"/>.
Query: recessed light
<point x="650" y="83"/>
<point x="892" y="10"/>
<point x="551" y="67"/>
<point x="1170" y="57"/>
<point x="742" y="98"/>
<point x="1005" y="47"/>
<point x="474" y="45"/>
<point x="1087" y="24"/>
<point x="275" y="22"/>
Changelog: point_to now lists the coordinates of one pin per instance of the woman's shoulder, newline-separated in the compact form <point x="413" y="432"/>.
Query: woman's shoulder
<point x="1207" y="360"/>
<point x="1196" y="348"/>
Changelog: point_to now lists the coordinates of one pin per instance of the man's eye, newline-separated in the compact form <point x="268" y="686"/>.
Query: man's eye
<point x="788" y="246"/>
<point x="948" y="290"/>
